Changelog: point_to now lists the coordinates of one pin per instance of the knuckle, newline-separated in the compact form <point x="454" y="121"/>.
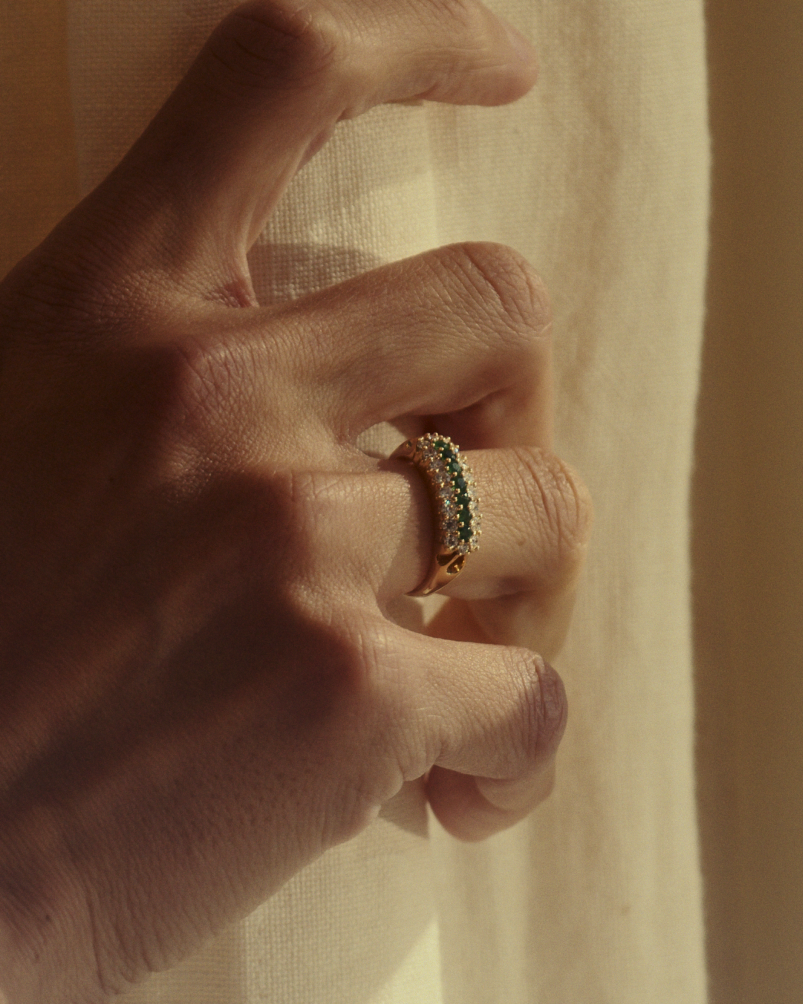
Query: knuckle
<point x="503" y="281"/>
<point x="192" y="401"/>
<point x="563" y="513"/>
<point x="467" y="21"/>
<point x="265" y="44"/>
<point x="194" y="383"/>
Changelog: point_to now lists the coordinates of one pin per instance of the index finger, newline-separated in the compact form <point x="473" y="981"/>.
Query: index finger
<point x="266" y="91"/>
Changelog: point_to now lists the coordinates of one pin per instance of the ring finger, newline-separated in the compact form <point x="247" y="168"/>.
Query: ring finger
<point x="535" y="525"/>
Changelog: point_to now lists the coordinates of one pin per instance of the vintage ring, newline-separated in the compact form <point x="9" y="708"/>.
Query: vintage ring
<point x="455" y="504"/>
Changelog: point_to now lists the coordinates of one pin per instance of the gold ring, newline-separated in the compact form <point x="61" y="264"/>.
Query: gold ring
<point x="455" y="504"/>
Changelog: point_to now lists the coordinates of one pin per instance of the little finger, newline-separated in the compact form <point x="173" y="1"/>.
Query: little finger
<point x="486" y="721"/>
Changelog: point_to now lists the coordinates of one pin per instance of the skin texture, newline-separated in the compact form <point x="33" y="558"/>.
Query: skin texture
<point x="203" y="683"/>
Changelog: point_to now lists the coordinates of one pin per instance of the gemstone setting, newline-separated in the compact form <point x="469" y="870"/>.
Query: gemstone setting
<point x="452" y="486"/>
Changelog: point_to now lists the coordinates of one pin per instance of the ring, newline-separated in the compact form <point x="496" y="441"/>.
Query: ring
<point x="455" y="503"/>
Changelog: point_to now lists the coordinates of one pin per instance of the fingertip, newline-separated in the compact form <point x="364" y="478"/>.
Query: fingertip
<point x="552" y="711"/>
<point x="475" y="808"/>
<point x="518" y="796"/>
<point x="525" y="58"/>
<point x="472" y="807"/>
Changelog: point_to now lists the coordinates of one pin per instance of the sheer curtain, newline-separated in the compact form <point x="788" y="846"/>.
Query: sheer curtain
<point x="600" y="177"/>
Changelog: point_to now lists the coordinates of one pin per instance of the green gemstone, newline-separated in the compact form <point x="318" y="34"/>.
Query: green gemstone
<point x="464" y="533"/>
<point x="454" y="466"/>
<point x="460" y="482"/>
<point x="439" y="444"/>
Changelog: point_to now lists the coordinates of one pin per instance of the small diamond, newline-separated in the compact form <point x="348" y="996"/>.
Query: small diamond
<point x="450" y="524"/>
<point x="463" y="547"/>
<point x="451" y="541"/>
<point x="445" y="492"/>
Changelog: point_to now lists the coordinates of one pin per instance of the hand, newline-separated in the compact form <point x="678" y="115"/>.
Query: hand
<point x="202" y="688"/>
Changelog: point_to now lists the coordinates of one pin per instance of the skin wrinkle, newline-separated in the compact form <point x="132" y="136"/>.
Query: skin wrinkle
<point x="516" y="287"/>
<point x="291" y="48"/>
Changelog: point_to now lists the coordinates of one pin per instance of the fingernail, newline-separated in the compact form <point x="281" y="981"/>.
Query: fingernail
<point x="552" y="711"/>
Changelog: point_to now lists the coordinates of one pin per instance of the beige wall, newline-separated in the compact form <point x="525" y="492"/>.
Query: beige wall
<point x="748" y="510"/>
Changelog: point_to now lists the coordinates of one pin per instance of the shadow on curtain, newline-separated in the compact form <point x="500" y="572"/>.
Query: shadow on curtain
<point x="748" y="511"/>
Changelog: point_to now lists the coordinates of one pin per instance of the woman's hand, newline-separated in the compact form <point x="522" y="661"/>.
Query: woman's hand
<point x="202" y="688"/>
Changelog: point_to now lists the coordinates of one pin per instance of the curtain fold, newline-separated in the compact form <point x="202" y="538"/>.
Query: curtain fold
<point x="748" y="510"/>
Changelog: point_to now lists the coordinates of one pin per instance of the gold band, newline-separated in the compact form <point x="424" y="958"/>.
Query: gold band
<point x="455" y="504"/>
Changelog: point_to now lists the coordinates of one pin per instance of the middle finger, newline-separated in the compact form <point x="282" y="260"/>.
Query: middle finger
<point x="463" y="329"/>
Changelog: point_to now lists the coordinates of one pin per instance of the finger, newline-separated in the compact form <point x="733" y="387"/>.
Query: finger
<point x="463" y="329"/>
<point x="270" y="85"/>
<point x="473" y="808"/>
<point x="537" y="620"/>
<point x="490" y="720"/>
<point x="536" y="521"/>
